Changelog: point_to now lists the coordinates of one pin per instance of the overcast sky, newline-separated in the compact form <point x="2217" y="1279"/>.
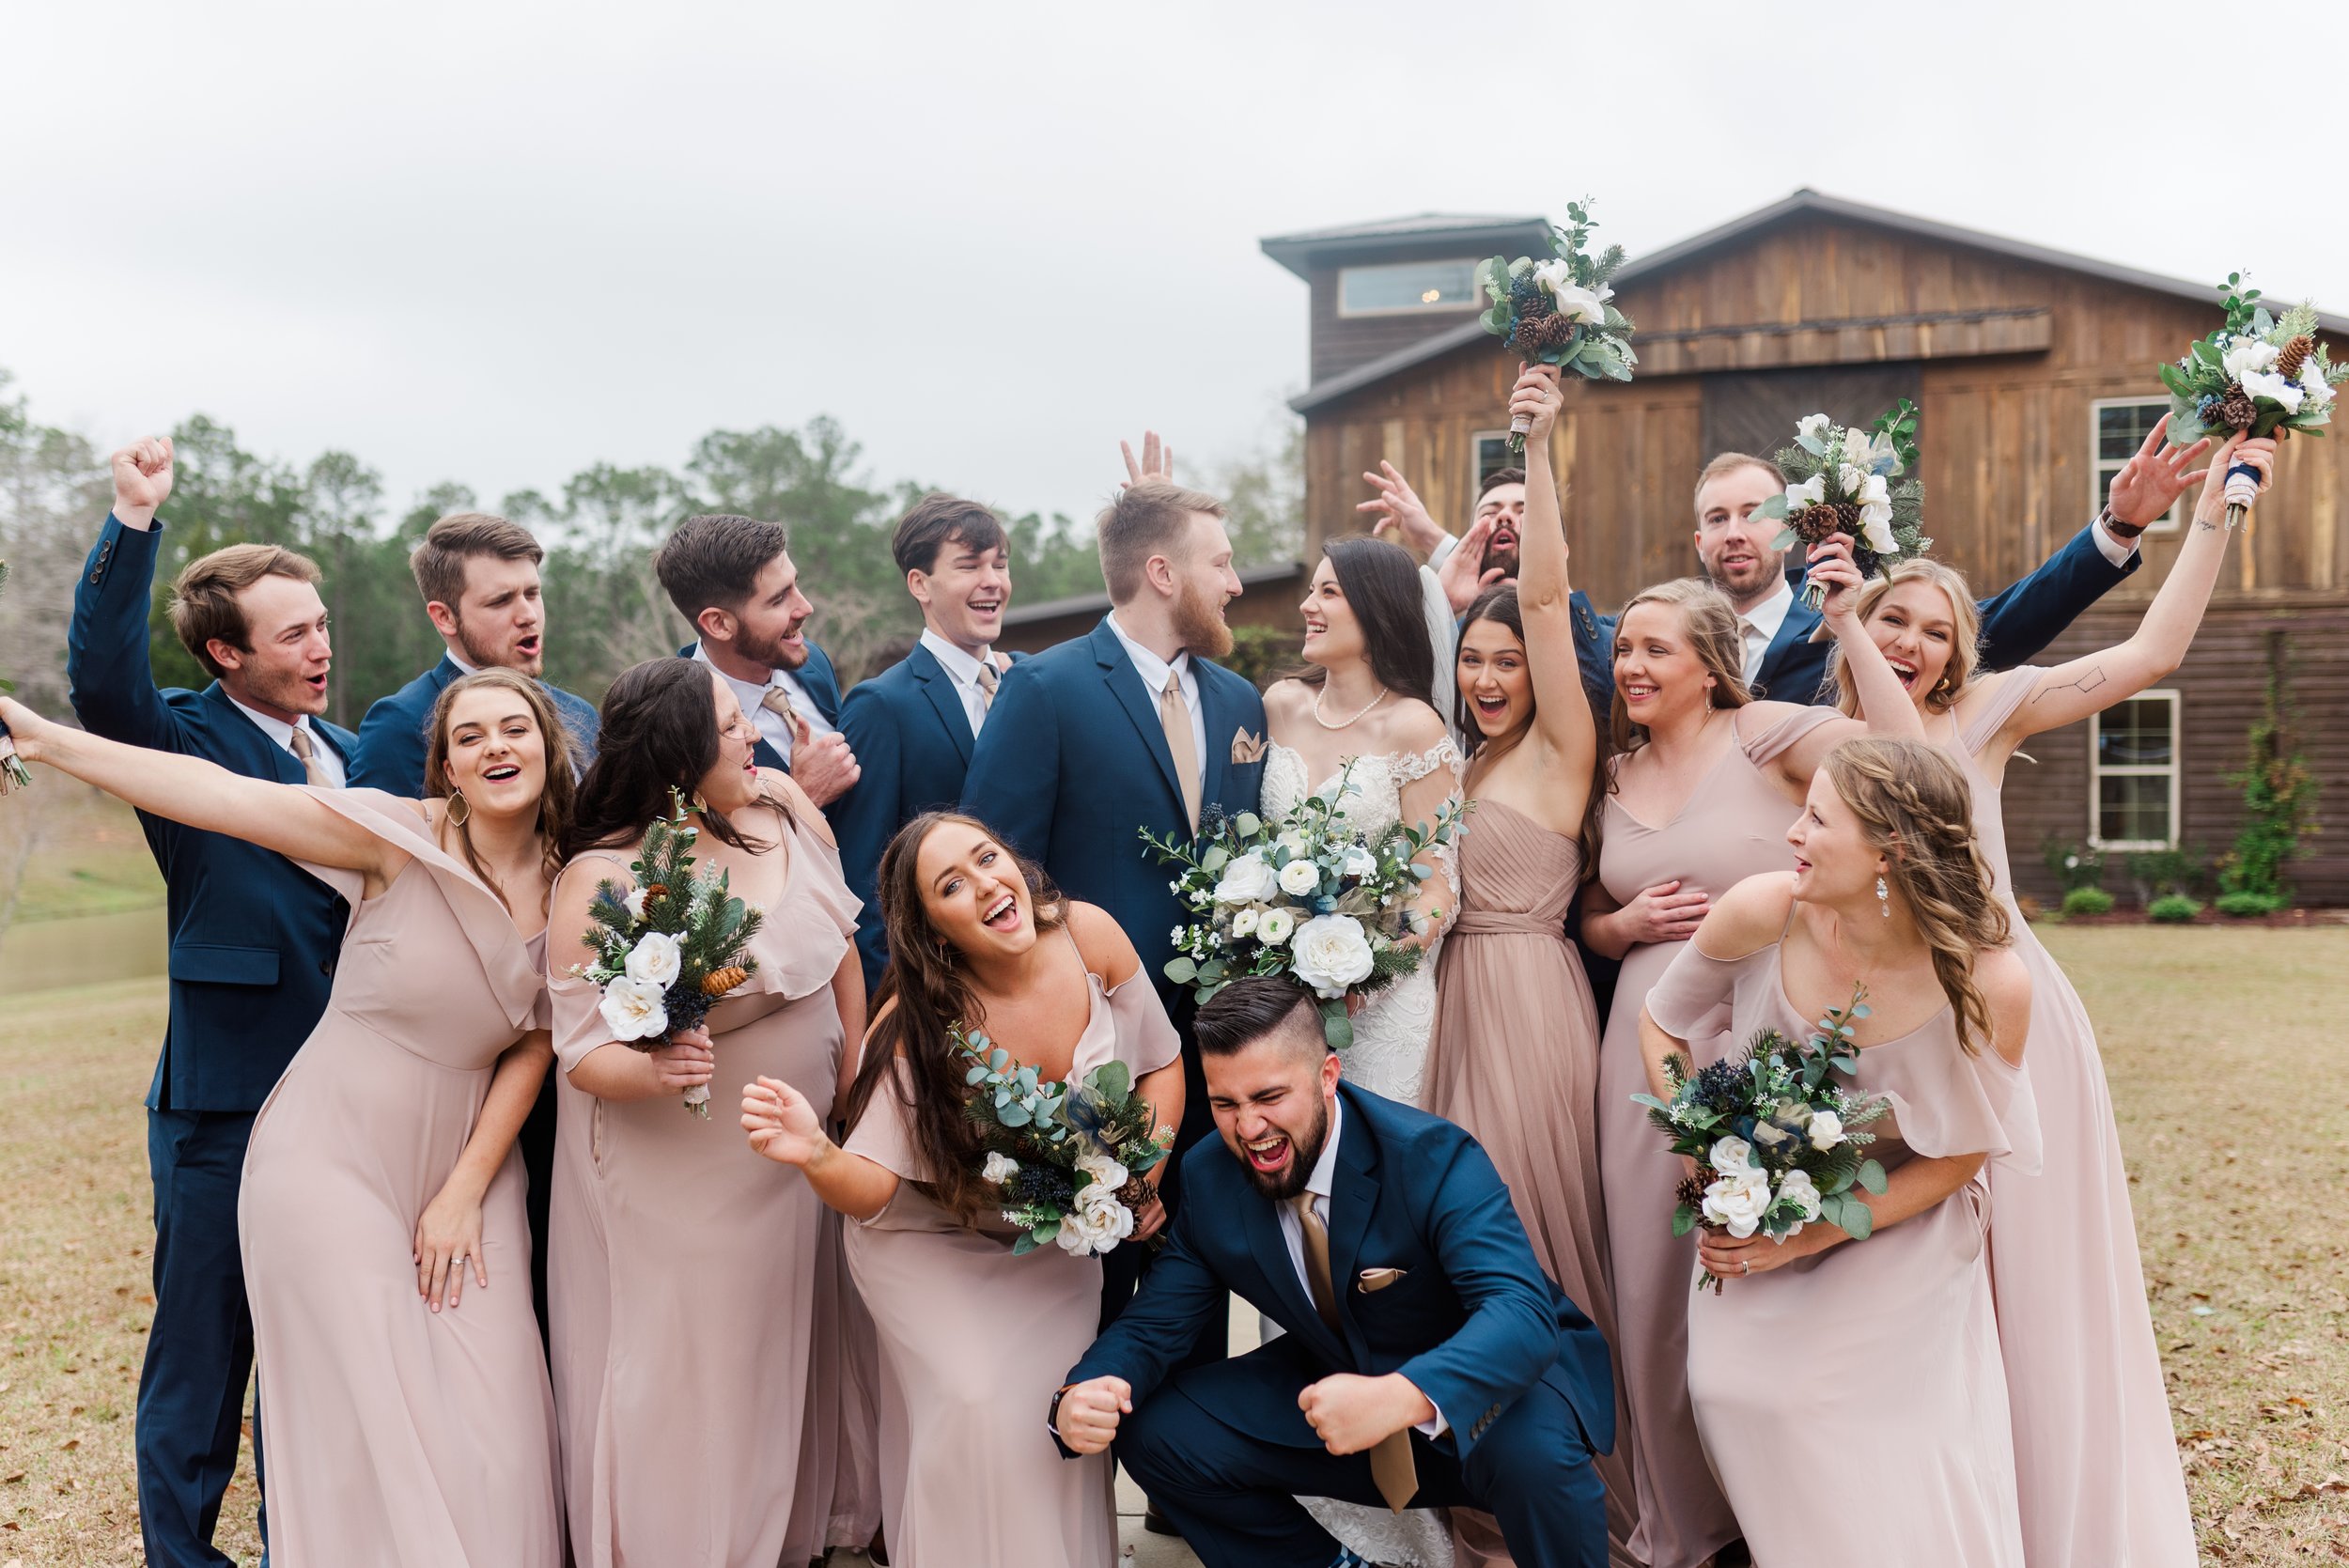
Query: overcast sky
<point x="495" y="242"/>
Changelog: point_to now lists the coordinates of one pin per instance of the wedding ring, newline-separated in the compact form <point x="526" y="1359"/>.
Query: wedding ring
<point x="1748" y="1264"/>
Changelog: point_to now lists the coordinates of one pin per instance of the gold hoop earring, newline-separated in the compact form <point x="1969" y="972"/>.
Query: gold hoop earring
<point x="460" y="809"/>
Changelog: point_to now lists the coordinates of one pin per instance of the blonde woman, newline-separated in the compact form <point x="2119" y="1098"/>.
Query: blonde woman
<point x="2099" y="1468"/>
<point x="1890" y="890"/>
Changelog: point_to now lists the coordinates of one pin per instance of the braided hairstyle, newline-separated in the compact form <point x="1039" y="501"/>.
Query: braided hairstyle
<point x="1916" y="809"/>
<point x="1965" y="646"/>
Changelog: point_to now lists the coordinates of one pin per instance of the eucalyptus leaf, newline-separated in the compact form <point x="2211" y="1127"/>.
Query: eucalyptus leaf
<point x="1871" y="1177"/>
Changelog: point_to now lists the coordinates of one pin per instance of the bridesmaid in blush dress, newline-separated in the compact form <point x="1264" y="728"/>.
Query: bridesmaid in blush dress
<point x="1892" y="1442"/>
<point x="974" y="1340"/>
<point x="1698" y="799"/>
<point x="698" y="1319"/>
<point x="1515" y="1054"/>
<point x="409" y="1416"/>
<point x="2095" y="1450"/>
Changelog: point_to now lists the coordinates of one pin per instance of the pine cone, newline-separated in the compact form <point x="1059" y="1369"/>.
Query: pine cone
<point x="1527" y="297"/>
<point x="1135" y="1193"/>
<point x="1557" y="332"/>
<point x="657" y="889"/>
<point x="1814" y="523"/>
<point x="2295" y="355"/>
<point x="717" y="983"/>
<point x="2235" y="410"/>
<point x="1527" y="338"/>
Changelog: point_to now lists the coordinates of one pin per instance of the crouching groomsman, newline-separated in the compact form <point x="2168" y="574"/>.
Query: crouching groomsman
<point x="912" y="726"/>
<point x="1426" y="1357"/>
<point x="479" y="578"/>
<point x="254" y="939"/>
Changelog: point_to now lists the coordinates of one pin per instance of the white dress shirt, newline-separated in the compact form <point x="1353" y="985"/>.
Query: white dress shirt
<point x="1153" y="671"/>
<point x="773" y="727"/>
<point x="963" y="671"/>
<point x="330" y="761"/>
<point x="1760" y="626"/>
<point x="1293" y="1230"/>
<point x="2109" y="545"/>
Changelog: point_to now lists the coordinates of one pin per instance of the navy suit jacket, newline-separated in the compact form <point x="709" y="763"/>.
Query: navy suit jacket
<point x="817" y="678"/>
<point x="1073" y="765"/>
<point x="392" y="741"/>
<point x="254" y="938"/>
<point x="912" y="742"/>
<point x="1471" y="1320"/>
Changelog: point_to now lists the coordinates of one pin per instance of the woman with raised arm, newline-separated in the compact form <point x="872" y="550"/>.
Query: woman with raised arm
<point x="698" y="1310"/>
<point x="1697" y="799"/>
<point x="974" y="1338"/>
<point x="1890" y="892"/>
<point x="1514" y="1055"/>
<point x="2094" y="1443"/>
<point x="383" y="1165"/>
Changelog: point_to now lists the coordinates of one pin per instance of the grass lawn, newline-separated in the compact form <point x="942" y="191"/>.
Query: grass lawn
<point x="90" y="857"/>
<point x="2221" y="1046"/>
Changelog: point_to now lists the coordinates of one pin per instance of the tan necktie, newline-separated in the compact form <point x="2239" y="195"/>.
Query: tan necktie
<point x="1391" y="1464"/>
<point x="1174" y="718"/>
<point x="776" y="700"/>
<point x="310" y="763"/>
<point x="988" y="678"/>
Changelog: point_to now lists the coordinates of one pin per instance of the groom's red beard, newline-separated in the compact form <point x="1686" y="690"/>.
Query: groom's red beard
<point x="1199" y="622"/>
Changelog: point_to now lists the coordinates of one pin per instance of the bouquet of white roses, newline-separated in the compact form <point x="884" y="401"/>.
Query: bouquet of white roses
<point x="669" y="950"/>
<point x="1776" y="1141"/>
<point x="1309" y="898"/>
<point x="1556" y="312"/>
<point x="13" y="774"/>
<point x="1840" y="481"/>
<point x="2259" y="374"/>
<point x="1068" y="1158"/>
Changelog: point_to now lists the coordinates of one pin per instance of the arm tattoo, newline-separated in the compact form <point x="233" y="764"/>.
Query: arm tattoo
<point x="2089" y="680"/>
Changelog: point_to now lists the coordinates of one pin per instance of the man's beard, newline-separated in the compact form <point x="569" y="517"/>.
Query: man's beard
<point x="488" y="659"/>
<point x="286" y="691"/>
<point x="1503" y="556"/>
<point x="1199" y="622"/>
<point x="772" y="652"/>
<point x="1304" y="1154"/>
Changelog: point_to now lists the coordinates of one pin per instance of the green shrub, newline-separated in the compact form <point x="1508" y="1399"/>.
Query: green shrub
<point x="2279" y="793"/>
<point x="2087" y="901"/>
<point x="2071" y="862"/>
<point x="2160" y="872"/>
<point x="2173" y="909"/>
<point x="2249" y="906"/>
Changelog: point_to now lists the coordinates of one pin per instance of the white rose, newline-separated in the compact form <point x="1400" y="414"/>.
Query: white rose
<point x="1586" y="305"/>
<point x="635" y="1009"/>
<point x="1247" y="879"/>
<point x="1875" y="528"/>
<point x="1853" y="481"/>
<point x="1827" y="1130"/>
<point x="998" y="1168"/>
<point x="2267" y="383"/>
<point x="1098" y="1223"/>
<point x="2312" y="381"/>
<point x="1292" y="841"/>
<point x="1359" y="862"/>
<point x="1273" y="928"/>
<point x="1798" y="1185"/>
<point x="1809" y="493"/>
<point x="636" y="903"/>
<point x="1874" y="491"/>
<point x="1244" y="923"/>
<point x="1106" y="1174"/>
<point x="1814" y="426"/>
<point x="1732" y="1156"/>
<point x="1299" y="877"/>
<point x="2246" y="355"/>
<point x="1737" y="1204"/>
<point x="1330" y="953"/>
<point x="655" y="959"/>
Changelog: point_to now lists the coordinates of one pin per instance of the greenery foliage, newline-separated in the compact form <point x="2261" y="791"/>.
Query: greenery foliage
<point x="2248" y="906"/>
<point x="2158" y="873"/>
<point x="2072" y="863"/>
<point x="2087" y="901"/>
<point x="2279" y="792"/>
<point x="2173" y="909"/>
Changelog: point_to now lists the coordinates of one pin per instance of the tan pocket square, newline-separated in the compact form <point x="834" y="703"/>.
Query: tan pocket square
<point x="1246" y="747"/>
<point x="1377" y="1279"/>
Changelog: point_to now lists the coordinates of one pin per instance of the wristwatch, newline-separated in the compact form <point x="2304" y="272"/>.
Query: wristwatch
<point x="1051" y="1411"/>
<point x="2114" y="527"/>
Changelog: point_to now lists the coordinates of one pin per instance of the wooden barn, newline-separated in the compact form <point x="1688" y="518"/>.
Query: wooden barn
<point x="2035" y="371"/>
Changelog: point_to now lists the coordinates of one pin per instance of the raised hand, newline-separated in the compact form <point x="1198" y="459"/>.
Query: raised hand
<point x="1158" y="463"/>
<point x="1400" y="511"/>
<point x="2149" y="483"/>
<point x="142" y="473"/>
<point x="1832" y="564"/>
<point x="782" y="1124"/>
<point x="822" y="765"/>
<point x="1090" y="1411"/>
<point x="1537" y="398"/>
<point x="1460" y="575"/>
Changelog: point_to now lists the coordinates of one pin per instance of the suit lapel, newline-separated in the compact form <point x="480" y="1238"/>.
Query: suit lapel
<point x="1269" y="1249"/>
<point x="1124" y="683"/>
<point x="1799" y="619"/>
<point x="1218" y="720"/>
<point x="1353" y="1195"/>
<point x="263" y="758"/>
<point x="944" y="698"/>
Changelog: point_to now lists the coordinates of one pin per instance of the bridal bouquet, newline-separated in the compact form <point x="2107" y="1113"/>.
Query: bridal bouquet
<point x="668" y="951"/>
<point x="1776" y="1141"/>
<point x="1556" y="312"/>
<point x="1067" y="1158"/>
<point x="1840" y="481"/>
<point x="2258" y="374"/>
<point x="13" y="774"/>
<point x="1309" y="898"/>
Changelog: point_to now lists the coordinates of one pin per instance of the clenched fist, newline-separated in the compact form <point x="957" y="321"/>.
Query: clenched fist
<point x="821" y="764"/>
<point x="142" y="473"/>
<point x="1090" y="1411"/>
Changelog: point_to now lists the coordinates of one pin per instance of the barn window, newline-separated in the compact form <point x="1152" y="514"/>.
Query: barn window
<point x="1407" y="287"/>
<point x="2117" y="427"/>
<point x="2133" y="773"/>
<point x="1492" y="453"/>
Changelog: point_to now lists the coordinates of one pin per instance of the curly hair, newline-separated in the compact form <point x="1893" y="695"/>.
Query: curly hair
<point x="558" y="799"/>
<point x="1914" y="807"/>
<point x="1965" y="644"/>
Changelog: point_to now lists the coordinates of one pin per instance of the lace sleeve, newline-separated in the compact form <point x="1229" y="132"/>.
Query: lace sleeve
<point x="1411" y="769"/>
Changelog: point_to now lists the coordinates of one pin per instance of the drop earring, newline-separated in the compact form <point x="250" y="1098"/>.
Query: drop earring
<point x="460" y="809"/>
<point x="1884" y="899"/>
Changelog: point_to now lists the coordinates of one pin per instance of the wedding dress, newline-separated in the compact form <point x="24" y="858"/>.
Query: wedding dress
<point x="1388" y="1057"/>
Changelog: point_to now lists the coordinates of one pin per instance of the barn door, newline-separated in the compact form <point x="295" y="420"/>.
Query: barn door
<point x="1755" y="411"/>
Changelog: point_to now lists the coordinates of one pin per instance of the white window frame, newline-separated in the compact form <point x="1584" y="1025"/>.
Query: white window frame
<point x="2101" y="468"/>
<point x="1476" y="456"/>
<point x="2175" y="769"/>
<point x="1438" y="309"/>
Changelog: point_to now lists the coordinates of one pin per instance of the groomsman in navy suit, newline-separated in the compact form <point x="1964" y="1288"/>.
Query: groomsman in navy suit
<point x="732" y="578"/>
<point x="1426" y="1357"/>
<point x="254" y="939"/>
<point x="479" y="578"/>
<point x="912" y="726"/>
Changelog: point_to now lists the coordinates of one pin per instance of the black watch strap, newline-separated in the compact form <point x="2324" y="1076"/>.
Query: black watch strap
<point x="2115" y="527"/>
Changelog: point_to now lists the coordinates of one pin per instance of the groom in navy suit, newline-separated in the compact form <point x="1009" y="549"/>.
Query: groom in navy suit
<point x="254" y="939"/>
<point x="1424" y="1358"/>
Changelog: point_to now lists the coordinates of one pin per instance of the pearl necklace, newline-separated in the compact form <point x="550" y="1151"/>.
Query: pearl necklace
<point x="1351" y="722"/>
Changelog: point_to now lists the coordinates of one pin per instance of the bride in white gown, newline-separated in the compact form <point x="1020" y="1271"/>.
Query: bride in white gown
<point x="1365" y="702"/>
